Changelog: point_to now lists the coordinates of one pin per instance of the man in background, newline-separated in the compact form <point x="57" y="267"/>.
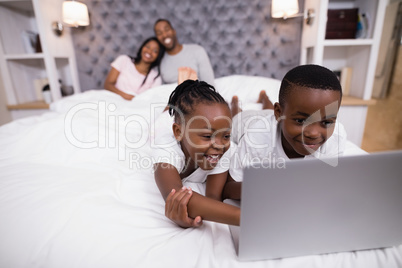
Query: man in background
<point x="181" y="61"/>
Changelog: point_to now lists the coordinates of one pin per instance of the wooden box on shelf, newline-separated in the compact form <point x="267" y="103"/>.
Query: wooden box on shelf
<point x="342" y="23"/>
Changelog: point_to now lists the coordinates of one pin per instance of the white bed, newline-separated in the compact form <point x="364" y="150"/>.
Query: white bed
<point x="73" y="193"/>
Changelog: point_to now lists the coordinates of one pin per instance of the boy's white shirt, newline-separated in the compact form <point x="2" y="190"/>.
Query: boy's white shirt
<point x="261" y="143"/>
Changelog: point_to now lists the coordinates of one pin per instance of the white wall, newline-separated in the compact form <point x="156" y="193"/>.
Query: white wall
<point x="5" y="115"/>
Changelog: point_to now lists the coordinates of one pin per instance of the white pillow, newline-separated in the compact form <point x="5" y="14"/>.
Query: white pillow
<point x="247" y="88"/>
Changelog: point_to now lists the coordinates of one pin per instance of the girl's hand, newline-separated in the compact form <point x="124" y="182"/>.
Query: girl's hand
<point x="126" y="96"/>
<point x="176" y="208"/>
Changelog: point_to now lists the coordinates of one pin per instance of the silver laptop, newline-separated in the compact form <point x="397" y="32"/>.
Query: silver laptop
<point x="310" y="207"/>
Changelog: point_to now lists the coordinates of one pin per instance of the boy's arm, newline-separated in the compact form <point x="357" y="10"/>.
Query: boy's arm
<point x="232" y="189"/>
<point x="168" y="178"/>
<point x="215" y="184"/>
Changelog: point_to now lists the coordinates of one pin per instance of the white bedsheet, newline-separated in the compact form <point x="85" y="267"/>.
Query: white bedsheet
<point x="98" y="206"/>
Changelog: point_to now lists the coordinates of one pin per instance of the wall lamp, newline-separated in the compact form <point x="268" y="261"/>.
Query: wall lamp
<point x="75" y="14"/>
<point x="289" y="9"/>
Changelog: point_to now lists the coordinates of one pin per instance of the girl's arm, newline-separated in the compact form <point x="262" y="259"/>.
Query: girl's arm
<point x="176" y="208"/>
<point x="110" y="83"/>
<point x="168" y="178"/>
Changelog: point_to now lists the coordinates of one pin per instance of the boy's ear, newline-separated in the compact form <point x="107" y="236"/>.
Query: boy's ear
<point x="277" y="111"/>
<point x="177" y="131"/>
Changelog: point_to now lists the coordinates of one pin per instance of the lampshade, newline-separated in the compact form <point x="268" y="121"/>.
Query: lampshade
<point x="75" y="13"/>
<point x="284" y="8"/>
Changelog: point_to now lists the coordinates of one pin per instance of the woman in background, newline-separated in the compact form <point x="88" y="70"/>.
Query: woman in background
<point x="129" y="76"/>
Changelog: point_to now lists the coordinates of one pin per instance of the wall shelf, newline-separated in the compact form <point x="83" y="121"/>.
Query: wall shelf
<point x="29" y="106"/>
<point x="360" y="55"/>
<point x="24" y="56"/>
<point x="27" y="67"/>
<point x="353" y="101"/>
<point x="348" y="42"/>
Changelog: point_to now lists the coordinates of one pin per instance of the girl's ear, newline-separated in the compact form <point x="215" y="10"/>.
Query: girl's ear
<point x="177" y="131"/>
<point x="277" y="111"/>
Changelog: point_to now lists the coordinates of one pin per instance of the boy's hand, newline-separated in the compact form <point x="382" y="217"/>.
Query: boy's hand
<point x="176" y="208"/>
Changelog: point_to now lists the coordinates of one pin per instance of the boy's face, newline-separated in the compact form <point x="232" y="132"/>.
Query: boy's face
<point x="205" y="136"/>
<point x="307" y="119"/>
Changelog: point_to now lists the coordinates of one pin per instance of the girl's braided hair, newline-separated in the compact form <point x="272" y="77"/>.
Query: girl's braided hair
<point x="189" y="93"/>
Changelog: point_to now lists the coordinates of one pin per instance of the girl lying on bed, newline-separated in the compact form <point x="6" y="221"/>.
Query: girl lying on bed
<point x="190" y="149"/>
<point x="302" y="125"/>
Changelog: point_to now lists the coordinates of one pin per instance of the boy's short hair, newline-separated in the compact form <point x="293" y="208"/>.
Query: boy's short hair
<point x="308" y="76"/>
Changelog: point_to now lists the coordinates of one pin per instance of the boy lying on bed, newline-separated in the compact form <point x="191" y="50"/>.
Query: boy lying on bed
<point x="302" y="125"/>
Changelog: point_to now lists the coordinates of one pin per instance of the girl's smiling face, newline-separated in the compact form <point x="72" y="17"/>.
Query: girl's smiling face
<point x="205" y="135"/>
<point x="307" y="119"/>
<point x="150" y="52"/>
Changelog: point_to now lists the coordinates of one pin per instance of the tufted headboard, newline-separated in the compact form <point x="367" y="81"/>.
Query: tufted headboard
<point x="239" y="36"/>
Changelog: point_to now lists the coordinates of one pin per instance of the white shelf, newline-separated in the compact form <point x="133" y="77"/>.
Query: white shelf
<point x="22" y="69"/>
<point x="358" y="54"/>
<point x="348" y="42"/>
<point x="24" y="56"/>
<point x="353" y="101"/>
<point x="36" y="105"/>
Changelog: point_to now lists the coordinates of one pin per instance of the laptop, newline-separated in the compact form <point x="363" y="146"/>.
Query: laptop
<point x="310" y="207"/>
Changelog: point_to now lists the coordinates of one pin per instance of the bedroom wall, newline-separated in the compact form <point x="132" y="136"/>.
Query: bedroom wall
<point x="239" y="36"/>
<point x="383" y="129"/>
<point x="5" y="115"/>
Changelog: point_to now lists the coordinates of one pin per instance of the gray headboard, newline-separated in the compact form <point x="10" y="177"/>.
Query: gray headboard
<point x="239" y="36"/>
